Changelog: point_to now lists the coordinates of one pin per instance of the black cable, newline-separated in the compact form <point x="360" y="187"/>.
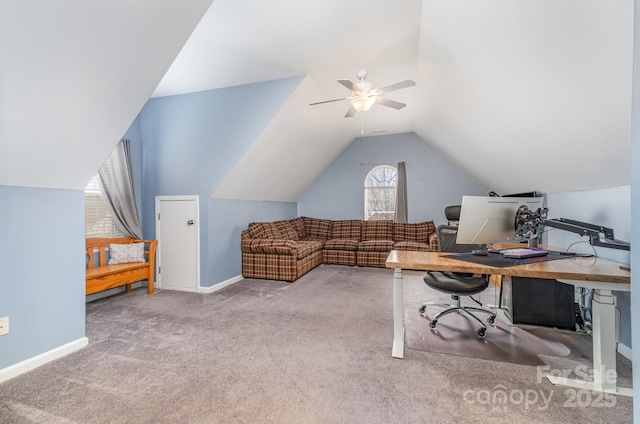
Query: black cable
<point x="595" y="253"/>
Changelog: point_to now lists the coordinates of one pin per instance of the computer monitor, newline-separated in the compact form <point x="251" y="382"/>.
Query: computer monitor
<point x="486" y="220"/>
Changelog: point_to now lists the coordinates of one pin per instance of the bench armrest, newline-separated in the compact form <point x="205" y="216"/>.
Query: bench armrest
<point x="151" y="251"/>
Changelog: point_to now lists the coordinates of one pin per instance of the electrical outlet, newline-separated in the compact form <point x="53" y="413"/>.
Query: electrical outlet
<point x="4" y="326"/>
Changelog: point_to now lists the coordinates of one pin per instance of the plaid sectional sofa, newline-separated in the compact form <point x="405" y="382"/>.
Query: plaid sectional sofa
<point x="286" y="250"/>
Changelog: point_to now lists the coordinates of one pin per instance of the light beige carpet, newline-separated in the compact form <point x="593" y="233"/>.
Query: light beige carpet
<point x="456" y="334"/>
<point x="317" y="351"/>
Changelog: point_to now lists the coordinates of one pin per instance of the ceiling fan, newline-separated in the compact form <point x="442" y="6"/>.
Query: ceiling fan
<point x="363" y="95"/>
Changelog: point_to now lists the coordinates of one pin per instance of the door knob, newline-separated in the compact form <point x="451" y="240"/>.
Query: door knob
<point x="190" y="222"/>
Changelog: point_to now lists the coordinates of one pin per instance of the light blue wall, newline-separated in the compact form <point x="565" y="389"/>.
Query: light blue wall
<point x="635" y="207"/>
<point x="432" y="182"/>
<point x="609" y="207"/>
<point x="189" y="144"/>
<point x="42" y="277"/>
<point x="228" y="218"/>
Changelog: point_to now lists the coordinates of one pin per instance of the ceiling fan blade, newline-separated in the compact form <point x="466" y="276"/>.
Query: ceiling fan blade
<point x="347" y="84"/>
<point x="390" y="103"/>
<point x="350" y="112"/>
<point x="328" y="101"/>
<point x="395" y="86"/>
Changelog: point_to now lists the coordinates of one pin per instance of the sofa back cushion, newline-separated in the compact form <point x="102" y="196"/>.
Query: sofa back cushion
<point x="317" y="229"/>
<point x="264" y="230"/>
<point x="298" y="226"/>
<point x="418" y="232"/>
<point x="346" y="229"/>
<point x="287" y="232"/>
<point x="377" y="230"/>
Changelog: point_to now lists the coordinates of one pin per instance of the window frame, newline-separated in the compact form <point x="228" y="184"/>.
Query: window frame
<point x="369" y="189"/>
<point x="98" y="221"/>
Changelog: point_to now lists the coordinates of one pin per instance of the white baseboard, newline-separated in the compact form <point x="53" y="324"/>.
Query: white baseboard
<point x="625" y="351"/>
<point x="44" y="358"/>
<point x="221" y="285"/>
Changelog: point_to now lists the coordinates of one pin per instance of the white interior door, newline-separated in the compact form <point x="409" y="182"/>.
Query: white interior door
<point x="177" y="231"/>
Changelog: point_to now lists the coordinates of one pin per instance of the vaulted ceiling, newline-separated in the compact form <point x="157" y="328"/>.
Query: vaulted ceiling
<point x="534" y="94"/>
<point x="74" y="75"/>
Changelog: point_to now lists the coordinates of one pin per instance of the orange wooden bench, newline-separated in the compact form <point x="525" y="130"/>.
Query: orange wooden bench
<point x="101" y="276"/>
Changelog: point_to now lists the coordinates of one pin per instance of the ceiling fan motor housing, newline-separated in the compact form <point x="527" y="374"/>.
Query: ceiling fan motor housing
<point x="363" y="87"/>
<point x="361" y="74"/>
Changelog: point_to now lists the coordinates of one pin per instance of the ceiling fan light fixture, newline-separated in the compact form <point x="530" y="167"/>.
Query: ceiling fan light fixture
<point x="363" y="104"/>
<point x="364" y="96"/>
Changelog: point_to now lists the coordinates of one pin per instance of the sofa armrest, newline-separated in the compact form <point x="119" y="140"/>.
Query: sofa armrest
<point x="433" y="242"/>
<point x="270" y="246"/>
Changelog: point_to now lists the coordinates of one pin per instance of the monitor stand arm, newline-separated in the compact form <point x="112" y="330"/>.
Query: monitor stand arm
<point x="592" y="231"/>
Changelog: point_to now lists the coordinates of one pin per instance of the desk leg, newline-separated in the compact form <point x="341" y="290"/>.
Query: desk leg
<point x="604" y="348"/>
<point x="603" y="309"/>
<point x="398" y="315"/>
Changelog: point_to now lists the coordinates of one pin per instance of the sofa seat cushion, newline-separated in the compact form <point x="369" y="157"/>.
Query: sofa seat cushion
<point x="377" y="230"/>
<point x="299" y="249"/>
<point x="412" y="246"/>
<point x="341" y="244"/>
<point x="280" y="247"/>
<point x="305" y="248"/>
<point x="321" y="242"/>
<point x="376" y="246"/>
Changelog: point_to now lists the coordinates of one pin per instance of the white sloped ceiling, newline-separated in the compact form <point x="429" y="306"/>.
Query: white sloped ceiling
<point x="73" y="76"/>
<point x="526" y="95"/>
<point x="529" y="95"/>
<point x="521" y="96"/>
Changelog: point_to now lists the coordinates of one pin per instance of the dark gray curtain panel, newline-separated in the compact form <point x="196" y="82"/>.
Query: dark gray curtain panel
<point x="116" y="181"/>
<point x="402" y="208"/>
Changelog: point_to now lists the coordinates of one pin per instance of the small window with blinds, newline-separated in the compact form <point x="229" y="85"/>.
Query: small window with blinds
<point x="97" y="218"/>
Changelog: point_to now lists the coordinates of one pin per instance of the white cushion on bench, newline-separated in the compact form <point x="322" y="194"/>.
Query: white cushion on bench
<point x="126" y="253"/>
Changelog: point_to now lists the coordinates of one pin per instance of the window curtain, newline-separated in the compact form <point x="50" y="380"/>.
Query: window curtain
<point x="401" y="194"/>
<point x="116" y="181"/>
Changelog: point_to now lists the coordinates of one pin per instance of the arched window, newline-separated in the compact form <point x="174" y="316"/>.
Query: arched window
<point x="380" y="193"/>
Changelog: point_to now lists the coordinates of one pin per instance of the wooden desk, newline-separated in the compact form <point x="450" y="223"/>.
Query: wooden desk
<point x="601" y="275"/>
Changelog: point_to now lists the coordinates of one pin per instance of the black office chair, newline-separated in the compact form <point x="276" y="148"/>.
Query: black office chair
<point x="453" y="214"/>
<point x="457" y="284"/>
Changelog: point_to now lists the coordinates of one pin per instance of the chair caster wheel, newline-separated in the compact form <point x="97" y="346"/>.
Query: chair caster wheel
<point x="422" y="309"/>
<point x="492" y="319"/>
<point x="433" y="323"/>
<point x="482" y="333"/>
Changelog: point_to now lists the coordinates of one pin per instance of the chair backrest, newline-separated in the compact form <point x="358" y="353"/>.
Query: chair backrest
<point x="453" y="214"/>
<point x="447" y="240"/>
